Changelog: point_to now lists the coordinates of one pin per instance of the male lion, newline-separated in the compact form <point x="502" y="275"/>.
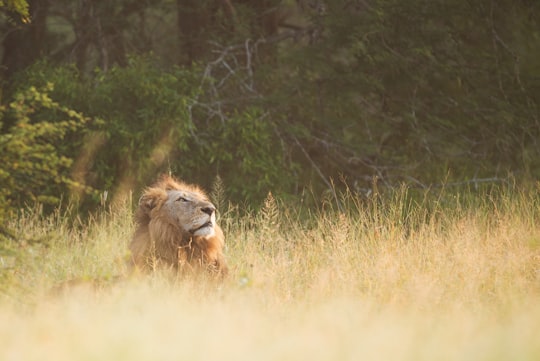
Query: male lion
<point x="176" y="228"/>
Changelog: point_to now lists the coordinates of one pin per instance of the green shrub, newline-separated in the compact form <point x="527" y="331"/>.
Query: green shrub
<point x="156" y="120"/>
<point x="33" y="167"/>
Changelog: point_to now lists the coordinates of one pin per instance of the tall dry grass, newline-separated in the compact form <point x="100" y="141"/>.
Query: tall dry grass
<point x="439" y="275"/>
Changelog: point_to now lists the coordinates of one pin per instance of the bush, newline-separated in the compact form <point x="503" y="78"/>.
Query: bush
<point x="154" y="120"/>
<point x="33" y="167"/>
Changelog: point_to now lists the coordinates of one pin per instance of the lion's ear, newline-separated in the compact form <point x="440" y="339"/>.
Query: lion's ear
<point x="152" y="198"/>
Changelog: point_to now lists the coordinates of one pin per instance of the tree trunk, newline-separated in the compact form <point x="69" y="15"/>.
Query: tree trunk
<point x="192" y="20"/>
<point x="25" y="43"/>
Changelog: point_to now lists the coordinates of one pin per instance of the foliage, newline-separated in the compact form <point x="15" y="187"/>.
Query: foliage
<point x="284" y="96"/>
<point x="417" y="89"/>
<point x="20" y="7"/>
<point x="153" y="121"/>
<point x="32" y="166"/>
<point x="241" y="148"/>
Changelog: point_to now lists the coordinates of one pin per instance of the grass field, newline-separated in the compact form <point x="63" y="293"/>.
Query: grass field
<point x="439" y="276"/>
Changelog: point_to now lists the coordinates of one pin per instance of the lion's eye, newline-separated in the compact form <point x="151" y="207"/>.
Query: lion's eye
<point x="182" y="199"/>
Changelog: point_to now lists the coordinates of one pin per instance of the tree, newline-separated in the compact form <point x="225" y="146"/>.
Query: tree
<point x="24" y="42"/>
<point x="409" y="91"/>
<point x="283" y="95"/>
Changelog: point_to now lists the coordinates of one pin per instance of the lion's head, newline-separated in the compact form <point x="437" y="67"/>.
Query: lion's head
<point x="176" y="227"/>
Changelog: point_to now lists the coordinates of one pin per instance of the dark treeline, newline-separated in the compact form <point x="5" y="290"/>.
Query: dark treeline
<point x="100" y="96"/>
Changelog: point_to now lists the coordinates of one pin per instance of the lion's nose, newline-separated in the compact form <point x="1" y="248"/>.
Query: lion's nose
<point x="208" y="210"/>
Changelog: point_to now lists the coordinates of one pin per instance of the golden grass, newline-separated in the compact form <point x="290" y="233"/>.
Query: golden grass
<point x="444" y="278"/>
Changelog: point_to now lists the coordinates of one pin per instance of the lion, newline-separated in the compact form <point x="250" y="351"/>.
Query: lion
<point x="177" y="229"/>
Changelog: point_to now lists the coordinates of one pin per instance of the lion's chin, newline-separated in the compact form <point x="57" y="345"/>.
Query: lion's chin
<point x="206" y="230"/>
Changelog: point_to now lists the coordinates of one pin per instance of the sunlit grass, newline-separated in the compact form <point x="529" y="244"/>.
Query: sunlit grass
<point x="435" y="276"/>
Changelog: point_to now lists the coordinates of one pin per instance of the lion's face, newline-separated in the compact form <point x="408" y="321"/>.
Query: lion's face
<point x="190" y="211"/>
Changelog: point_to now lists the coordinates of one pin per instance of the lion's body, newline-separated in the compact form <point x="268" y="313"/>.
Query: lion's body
<point x="176" y="228"/>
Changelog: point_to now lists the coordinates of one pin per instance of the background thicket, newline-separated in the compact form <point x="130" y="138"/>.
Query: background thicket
<point x="98" y="96"/>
